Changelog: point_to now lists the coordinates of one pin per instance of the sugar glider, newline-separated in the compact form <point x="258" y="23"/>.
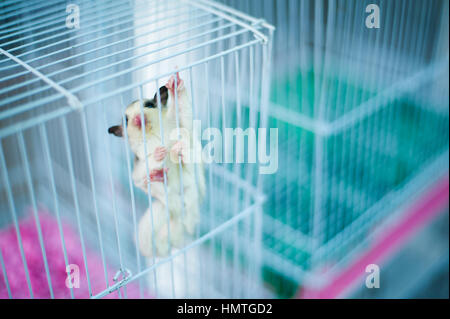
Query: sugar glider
<point x="183" y="200"/>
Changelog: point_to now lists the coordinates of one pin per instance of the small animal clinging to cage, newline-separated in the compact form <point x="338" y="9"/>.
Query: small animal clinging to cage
<point x="175" y="210"/>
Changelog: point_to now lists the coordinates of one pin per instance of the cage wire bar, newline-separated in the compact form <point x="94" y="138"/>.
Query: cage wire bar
<point x="67" y="194"/>
<point x="362" y="115"/>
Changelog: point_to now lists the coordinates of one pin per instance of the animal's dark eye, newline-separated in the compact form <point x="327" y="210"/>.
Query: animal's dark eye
<point x="150" y="104"/>
<point x="126" y="120"/>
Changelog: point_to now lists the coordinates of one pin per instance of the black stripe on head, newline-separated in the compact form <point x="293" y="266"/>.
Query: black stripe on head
<point x="164" y="94"/>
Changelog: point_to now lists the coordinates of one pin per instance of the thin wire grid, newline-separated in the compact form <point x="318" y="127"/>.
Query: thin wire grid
<point x="354" y="109"/>
<point x="26" y="104"/>
<point x="178" y="17"/>
<point x="346" y="198"/>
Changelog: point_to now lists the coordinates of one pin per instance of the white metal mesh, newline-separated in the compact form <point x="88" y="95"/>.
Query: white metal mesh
<point x="363" y="126"/>
<point x="362" y="119"/>
<point x="60" y="91"/>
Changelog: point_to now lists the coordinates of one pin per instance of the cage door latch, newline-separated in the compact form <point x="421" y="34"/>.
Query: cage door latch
<point x="121" y="277"/>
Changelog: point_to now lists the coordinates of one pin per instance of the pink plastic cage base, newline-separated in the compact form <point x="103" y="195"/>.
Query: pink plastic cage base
<point x="54" y="255"/>
<point x="431" y="204"/>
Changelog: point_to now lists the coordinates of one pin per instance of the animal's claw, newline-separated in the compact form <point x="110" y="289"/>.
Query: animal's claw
<point x="171" y="83"/>
<point x="177" y="150"/>
<point x="160" y="153"/>
<point x="157" y="175"/>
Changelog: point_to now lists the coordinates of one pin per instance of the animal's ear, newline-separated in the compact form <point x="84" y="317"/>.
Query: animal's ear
<point x="117" y="130"/>
<point x="164" y="94"/>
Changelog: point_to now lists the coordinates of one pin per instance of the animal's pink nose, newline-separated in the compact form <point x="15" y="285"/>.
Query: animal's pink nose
<point x="137" y="120"/>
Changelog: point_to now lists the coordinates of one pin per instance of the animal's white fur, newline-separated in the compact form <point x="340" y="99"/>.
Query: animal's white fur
<point x="179" y="223"/>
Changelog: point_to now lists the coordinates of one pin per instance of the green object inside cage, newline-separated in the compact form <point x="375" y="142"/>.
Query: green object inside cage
<point x="361" y="164"/>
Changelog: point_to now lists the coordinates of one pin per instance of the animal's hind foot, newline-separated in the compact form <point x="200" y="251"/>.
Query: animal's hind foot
<point x="157" y="175"/>
<point x="160" y="153"/>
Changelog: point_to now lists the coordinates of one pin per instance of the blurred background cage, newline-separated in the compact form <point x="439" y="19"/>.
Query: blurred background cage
<point x="363" y="119"/>
<point x="67" y="196"/>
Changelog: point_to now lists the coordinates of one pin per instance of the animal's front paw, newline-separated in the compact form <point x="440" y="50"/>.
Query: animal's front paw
<point x="178" y="150"/>
<point x="171" y="84"/>
<point x="157" y="175"/>
<point x="160" y="153"/>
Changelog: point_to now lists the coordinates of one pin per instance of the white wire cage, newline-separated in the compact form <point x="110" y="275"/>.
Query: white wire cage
<point x="362" y="116"/>
<point x="67" y="195"/>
